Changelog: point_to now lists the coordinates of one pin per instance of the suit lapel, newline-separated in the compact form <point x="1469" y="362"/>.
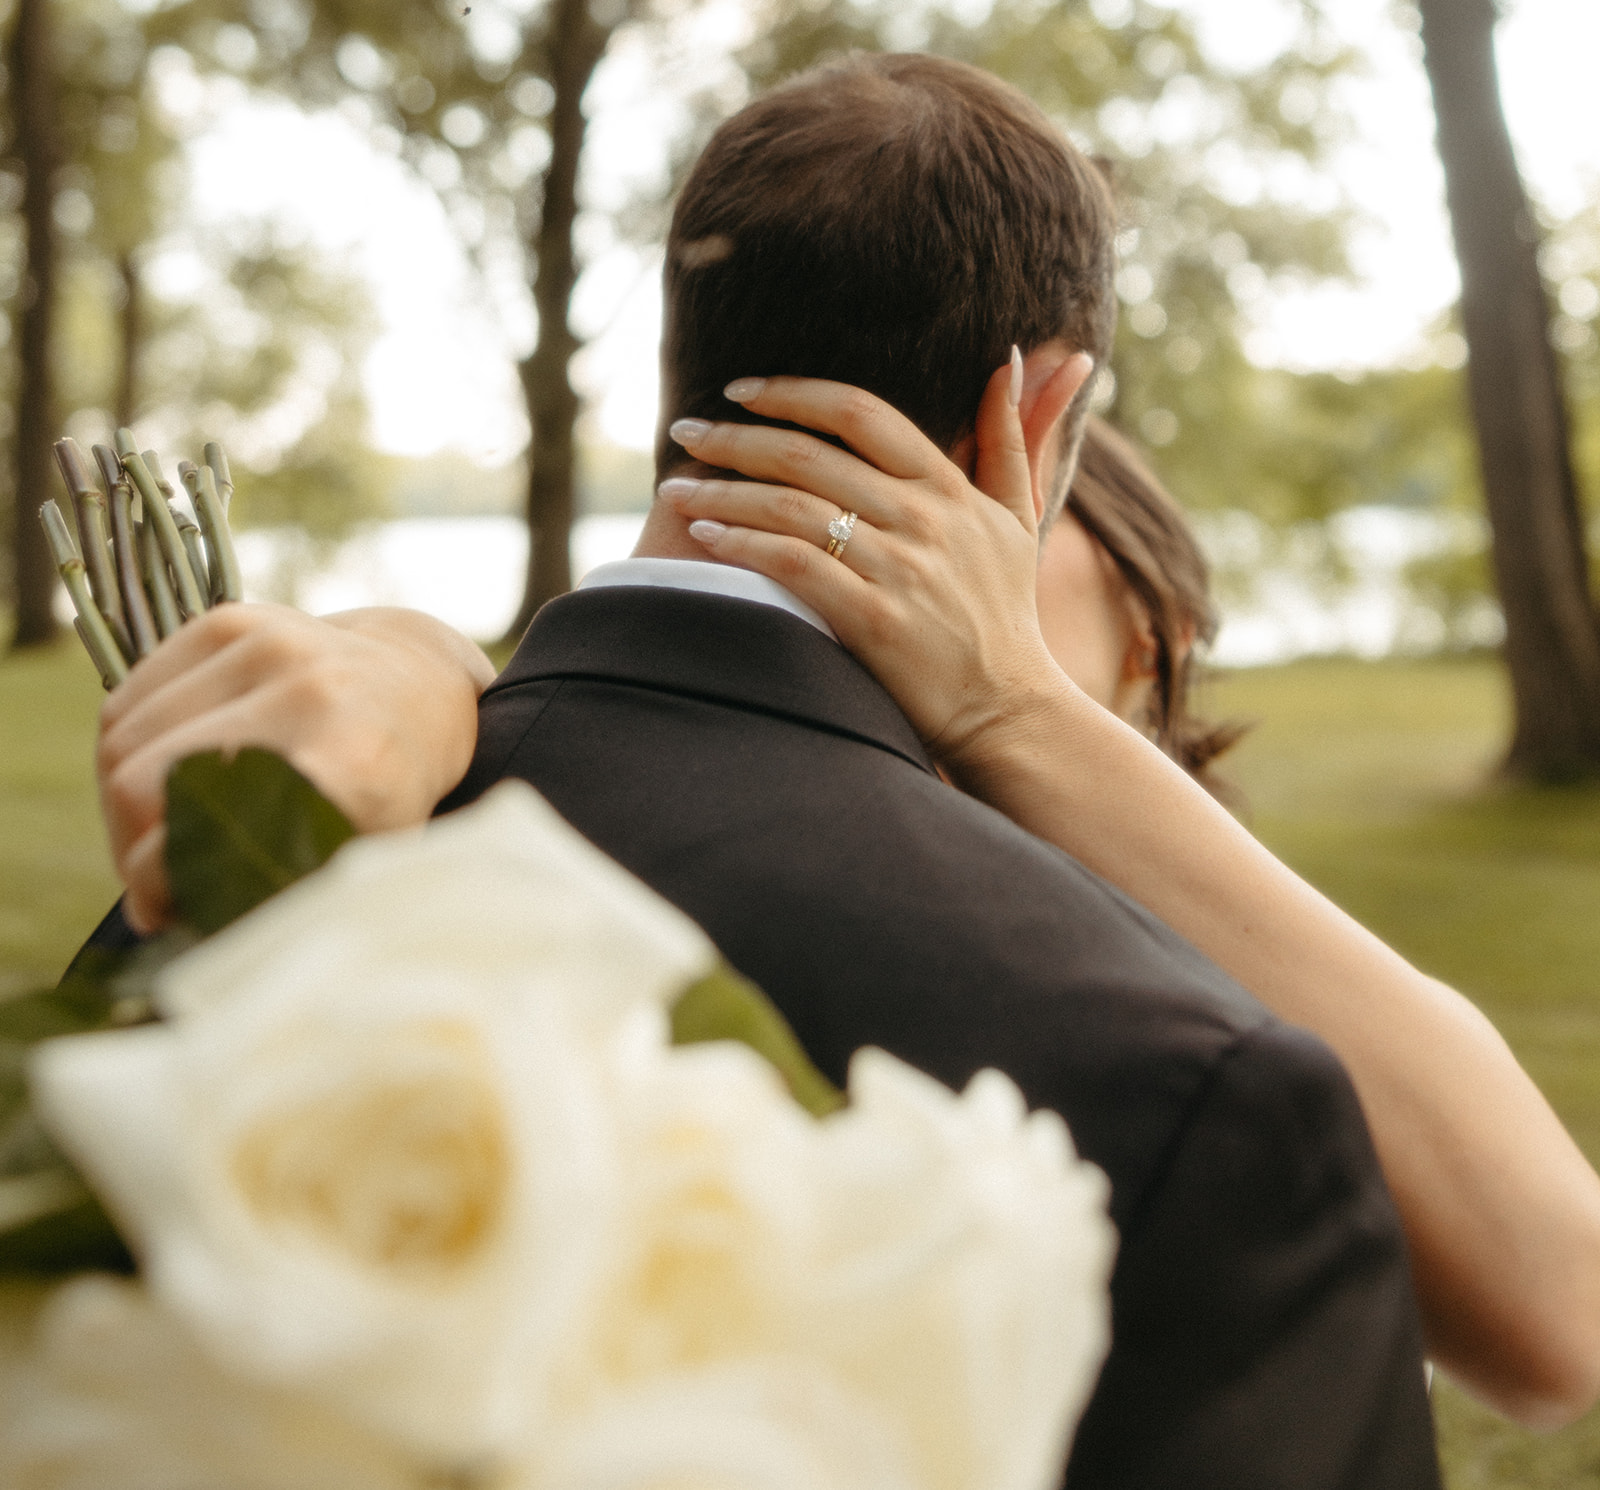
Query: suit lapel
<point x="732" y="652"/>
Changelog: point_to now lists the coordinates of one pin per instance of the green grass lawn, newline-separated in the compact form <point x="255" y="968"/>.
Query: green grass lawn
<point x="1372" y="780"/>
<point x="55" y="872"/>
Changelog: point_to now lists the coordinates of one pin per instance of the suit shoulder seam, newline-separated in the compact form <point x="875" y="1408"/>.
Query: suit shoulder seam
<point x="1237" y="1048"/>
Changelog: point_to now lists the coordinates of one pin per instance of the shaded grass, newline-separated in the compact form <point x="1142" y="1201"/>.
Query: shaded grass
<point x="1377" y="783"/>
<point x="55" y="872"/>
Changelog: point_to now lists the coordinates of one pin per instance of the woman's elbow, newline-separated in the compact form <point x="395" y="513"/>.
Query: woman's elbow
<point x="1556" y="1376"/>
<point x="1571" y="1387"/>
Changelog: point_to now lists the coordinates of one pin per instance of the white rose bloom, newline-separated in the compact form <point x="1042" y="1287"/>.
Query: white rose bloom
<point x="372" y="1156"/>
<point x="755" y="1425"/>
<point x="964" y="1255"/>
<point x="117" y="1397"/>
<point x="423" y="1196"/>
<point x="921" y="1276"/>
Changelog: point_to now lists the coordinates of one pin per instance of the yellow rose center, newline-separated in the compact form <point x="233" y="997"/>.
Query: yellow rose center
<point x="404" y="1164"/>
<point x="691" y="1295"/>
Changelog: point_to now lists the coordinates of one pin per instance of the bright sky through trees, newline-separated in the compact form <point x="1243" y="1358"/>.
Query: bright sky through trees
<point x="441" y="374"/>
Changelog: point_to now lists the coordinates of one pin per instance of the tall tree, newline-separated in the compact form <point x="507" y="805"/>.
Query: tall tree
<point x="1552" y="645"/>
<point x="490" y="116"/>
<point x="31" y="62"/>
<point x="577" y="42"/>
<point x="122" y="152"/>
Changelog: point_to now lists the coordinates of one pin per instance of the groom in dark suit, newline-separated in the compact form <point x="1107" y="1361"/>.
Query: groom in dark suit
<point x="896" y="223"/>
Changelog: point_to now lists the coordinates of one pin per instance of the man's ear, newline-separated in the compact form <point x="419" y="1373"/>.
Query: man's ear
<point x="1052" y="375"/>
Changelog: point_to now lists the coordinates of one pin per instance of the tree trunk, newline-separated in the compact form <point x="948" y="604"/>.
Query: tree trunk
<point x="33" y="103"/>
<point x="577" y="42"/>
<point x="132" y="319"/>
<point x="1552" y="645"/>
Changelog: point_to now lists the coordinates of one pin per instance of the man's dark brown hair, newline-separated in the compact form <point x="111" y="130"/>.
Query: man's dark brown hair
<point x="892" y="222"/>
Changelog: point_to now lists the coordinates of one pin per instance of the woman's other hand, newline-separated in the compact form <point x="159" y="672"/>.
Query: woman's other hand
<point x="377" y="707"/>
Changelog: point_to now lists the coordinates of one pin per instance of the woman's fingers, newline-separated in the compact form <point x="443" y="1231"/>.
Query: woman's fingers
<point x="147" y="904"/>
<point x="773" y="509"/>
<point x="792" y="458"/>
<point x="778" y="509"/>
<point x="212" y="681"/>
<point x="133" y="784"/>
<point x="186" y="648"/>
<point x="827" y="584"/>
<point x="873" y="429"/>
<point x="1001" y="470"/>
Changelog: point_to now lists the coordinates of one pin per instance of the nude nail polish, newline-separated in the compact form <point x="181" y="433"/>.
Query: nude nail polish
<point x="704" y="530"/>
<point x="742" y="390"/>
<point x="1014" y="392"/>
<point x="675" y="488"/>
<point x="689" y="431"/>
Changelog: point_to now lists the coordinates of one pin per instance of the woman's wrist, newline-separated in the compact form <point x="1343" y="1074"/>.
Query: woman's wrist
<point x="430" y="677"/>
<point x="1026" y="737"/>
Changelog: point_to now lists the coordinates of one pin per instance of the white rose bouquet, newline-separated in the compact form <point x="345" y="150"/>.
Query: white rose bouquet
<point x="462" y="1162"/>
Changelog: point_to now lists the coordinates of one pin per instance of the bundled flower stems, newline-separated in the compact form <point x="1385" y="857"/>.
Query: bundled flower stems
<point x="140" y="565"/>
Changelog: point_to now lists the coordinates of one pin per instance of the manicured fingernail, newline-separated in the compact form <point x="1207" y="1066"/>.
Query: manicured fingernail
<point x="676" y="487"/>
<point x="742" y="390"/>
<point x="703" y="530"/>
<point x="1014" y="393"/>
<point x="689" y="431"/>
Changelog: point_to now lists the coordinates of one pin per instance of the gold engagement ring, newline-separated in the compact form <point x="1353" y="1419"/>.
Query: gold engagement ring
<point x="839" y="531"/>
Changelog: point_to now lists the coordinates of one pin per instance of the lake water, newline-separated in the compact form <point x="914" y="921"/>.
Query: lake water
<point x="468" y="571"/>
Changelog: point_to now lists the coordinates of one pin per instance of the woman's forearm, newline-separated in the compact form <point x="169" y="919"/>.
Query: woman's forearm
<point x="1501" y="1210"/>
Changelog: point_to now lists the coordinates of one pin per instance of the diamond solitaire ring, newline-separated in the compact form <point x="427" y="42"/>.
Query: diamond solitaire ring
<point x="839" y="531"/>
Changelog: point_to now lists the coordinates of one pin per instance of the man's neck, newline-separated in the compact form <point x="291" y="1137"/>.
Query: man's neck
<point x="666" y="555"/>
<point x="666" y="536"/>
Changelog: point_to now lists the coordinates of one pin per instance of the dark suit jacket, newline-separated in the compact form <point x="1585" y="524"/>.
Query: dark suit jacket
<point x="1265" y="1332"/>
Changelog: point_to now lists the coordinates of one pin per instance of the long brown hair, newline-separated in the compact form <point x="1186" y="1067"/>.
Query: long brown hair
<point x="1123" y="505"/>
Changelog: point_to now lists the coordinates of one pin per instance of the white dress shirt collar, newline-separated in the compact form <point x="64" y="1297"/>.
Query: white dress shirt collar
<point x="706" y="579"/>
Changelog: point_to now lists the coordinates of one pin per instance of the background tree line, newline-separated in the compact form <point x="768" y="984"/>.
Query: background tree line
<point x="485" y="104"/>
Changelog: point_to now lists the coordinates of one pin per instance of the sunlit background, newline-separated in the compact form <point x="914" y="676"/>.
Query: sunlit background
<point x="1390" y="560"/>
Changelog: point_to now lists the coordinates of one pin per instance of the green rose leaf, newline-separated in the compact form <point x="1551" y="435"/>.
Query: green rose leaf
<point x="49" y="1222"/>
<point x="56" y="1227"/>
<point x="725" y="1006"/>
<point x="68" y="1009"/>
<point x="240" y="830"/>
<point x="101" y="990"/>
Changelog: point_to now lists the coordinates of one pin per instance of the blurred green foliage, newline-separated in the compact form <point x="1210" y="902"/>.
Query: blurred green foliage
<point x="1222" y="176"/>
<point x="256" y="340"/>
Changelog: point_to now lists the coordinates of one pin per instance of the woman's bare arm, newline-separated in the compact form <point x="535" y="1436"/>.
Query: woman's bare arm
<point x="1501" y="1210"/>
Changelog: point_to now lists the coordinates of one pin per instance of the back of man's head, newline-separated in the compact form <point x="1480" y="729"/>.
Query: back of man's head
<point x="892" y="222"/>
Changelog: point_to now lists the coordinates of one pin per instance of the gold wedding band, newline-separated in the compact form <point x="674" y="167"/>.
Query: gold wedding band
<point x="839" y="531"/>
